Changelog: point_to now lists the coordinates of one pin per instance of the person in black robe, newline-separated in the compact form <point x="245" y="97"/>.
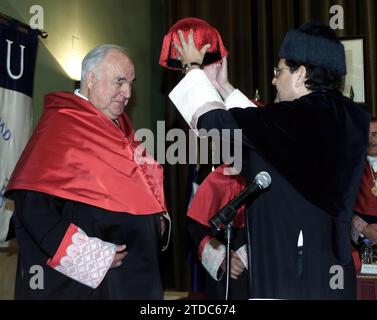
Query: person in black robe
<point x="89" y="202"/>
<point x="41" y="221"/>
<point x="312" y="141"/>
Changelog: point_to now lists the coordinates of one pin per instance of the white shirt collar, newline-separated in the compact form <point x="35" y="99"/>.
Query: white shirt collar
<point x="373" y="162"/>
<point x="77" y="93"/>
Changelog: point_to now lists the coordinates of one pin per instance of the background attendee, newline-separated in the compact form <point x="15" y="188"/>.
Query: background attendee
<point x="81" y="197"/>
<point x="312" y="141"/>
<point x="216" y="191"/>
<point x="364" y="222"/>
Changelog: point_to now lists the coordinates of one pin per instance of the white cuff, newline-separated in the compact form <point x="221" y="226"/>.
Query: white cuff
<point x="212" y="256"/>
<point x="238" y="100"/>
<point x="355" y="235"/>
<point x="192" y="92"/>
<point x="242" y="253"/>
<point x="82" y="258"/>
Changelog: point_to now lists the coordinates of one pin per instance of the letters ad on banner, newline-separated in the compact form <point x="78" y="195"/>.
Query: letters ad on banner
<point x="18" y="50"/>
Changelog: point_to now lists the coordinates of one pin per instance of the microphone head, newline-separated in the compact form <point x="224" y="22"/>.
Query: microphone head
<point x="263" y="179"/>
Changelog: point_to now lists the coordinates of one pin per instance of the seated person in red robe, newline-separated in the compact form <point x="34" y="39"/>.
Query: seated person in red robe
<point x="364" y="222"/>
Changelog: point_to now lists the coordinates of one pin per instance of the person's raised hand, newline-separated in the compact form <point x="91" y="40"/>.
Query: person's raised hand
<point x="217" y="73"/>
<point x="222" y="76"/>
<point x="370" y="231"/>
<point x="187" y="50"/>
<point x="212" y="71"/>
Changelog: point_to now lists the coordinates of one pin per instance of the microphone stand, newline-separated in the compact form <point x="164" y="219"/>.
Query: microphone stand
<point x="228" y="238"/>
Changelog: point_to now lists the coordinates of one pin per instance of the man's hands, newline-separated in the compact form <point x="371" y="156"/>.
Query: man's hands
<point x="188" y="51"/>
<point x="217" y="73"/>
<point x="370" y="232"/>
<point x="236" y="265"/>
<point x="119" y="256"/>
<point x="213" y="74"/>
<point x="121" y="249"/>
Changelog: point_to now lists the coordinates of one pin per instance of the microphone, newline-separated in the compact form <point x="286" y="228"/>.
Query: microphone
<point x="261" y="182"/>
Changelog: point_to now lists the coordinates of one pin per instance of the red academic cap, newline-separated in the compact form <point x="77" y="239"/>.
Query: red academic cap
<point x="203" y="34"/>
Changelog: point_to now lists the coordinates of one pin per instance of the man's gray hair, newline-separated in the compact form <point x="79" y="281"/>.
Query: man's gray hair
<point x="94" y="57"/>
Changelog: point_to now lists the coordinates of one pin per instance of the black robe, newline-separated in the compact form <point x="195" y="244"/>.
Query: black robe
<point x="41" y="221"/>
<point x="314" y="149"/>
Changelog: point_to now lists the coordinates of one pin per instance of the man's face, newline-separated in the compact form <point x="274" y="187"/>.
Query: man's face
<point x="372" y="145"/>
<point x="109" y="90"/>
<point x="284" y="82"/>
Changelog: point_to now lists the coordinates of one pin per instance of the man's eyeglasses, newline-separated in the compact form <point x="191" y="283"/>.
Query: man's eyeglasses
<point x="277" y="71"/>
<point x="373" y="134"/>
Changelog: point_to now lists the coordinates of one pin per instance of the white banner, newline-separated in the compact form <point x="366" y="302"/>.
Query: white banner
<point x="17" y="61"/>
<point x="15" y="130"/>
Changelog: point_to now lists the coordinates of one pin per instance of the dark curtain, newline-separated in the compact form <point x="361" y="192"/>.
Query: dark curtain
<point x="252" y="30"/>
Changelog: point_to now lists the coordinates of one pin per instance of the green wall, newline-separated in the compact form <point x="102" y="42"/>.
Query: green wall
<point x="76" y="26"/>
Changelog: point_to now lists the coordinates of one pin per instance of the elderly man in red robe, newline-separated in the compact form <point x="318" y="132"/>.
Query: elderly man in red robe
<point x="88" y="214"/>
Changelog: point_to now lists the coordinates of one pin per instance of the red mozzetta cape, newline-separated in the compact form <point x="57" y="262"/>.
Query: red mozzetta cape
<point x="77" y="153"/>
<point x="366" y="201"/>
<point x="213" y="194"/>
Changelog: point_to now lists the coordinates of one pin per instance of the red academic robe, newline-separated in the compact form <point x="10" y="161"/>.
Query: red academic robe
<point x="79" y="191"/>
<point x="366" y="201"/>
<point x="214" y="193"/>
<point x="77" y="153"/>
<point x="365" y="206"/>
